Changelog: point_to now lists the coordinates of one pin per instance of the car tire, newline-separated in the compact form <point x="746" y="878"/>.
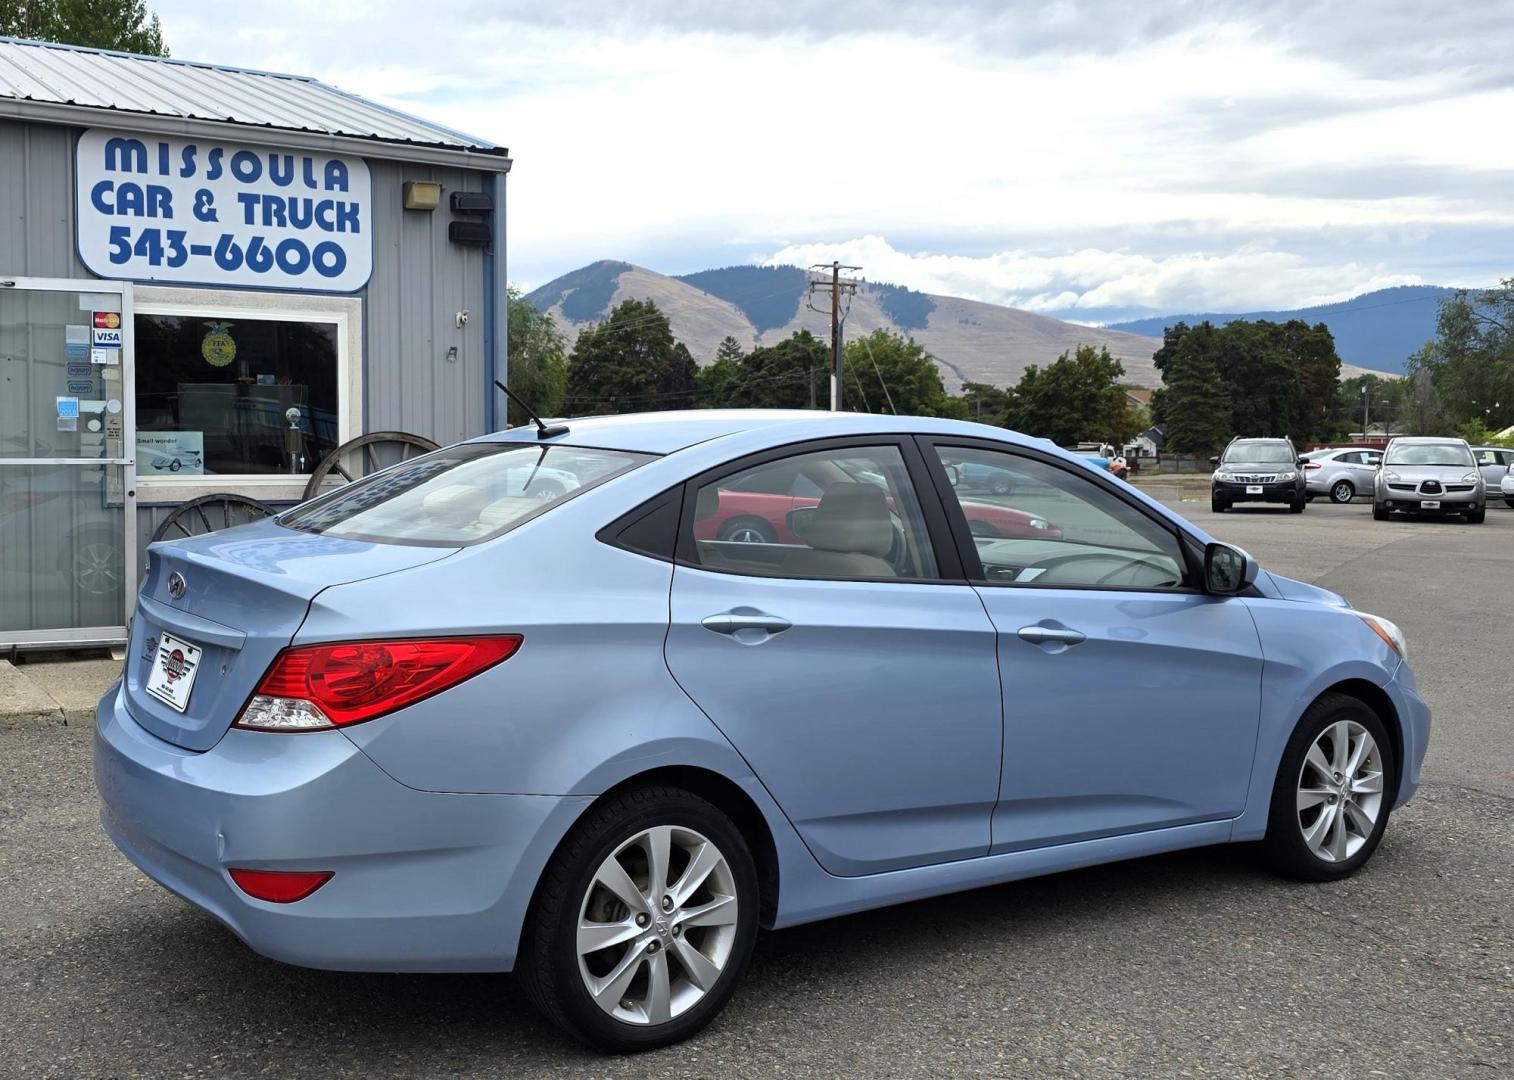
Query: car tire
<point x="747" y="530"/>
<point x="1320" y="828"/>
<point x="1297" y="506"/>
<point x="1000" y="486"/>
<point x="1342" y="491"/>
<point x="1218" y="505"/>
<point x="1379" y="512"/>
<point x="1509" y="503"/>
<point x="1478" y="516"/>
<point x="557" y="979"/>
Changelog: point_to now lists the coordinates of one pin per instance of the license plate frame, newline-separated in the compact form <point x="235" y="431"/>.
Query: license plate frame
<point x="171" y="677"/>
<point x="1253" y="489"/>
<point x="1429" y="504"/>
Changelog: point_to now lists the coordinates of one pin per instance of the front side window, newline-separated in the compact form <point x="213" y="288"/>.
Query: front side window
<point x="1054" y="527"/>
<point x="460" y="495"/>
<point x="1446" y="454"/>
<point x="832" y="514"/>
<point x="234" y="395"/>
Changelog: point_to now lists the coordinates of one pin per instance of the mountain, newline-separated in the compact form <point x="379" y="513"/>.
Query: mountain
<point x="760" y="305"/>
<point x="1376" y="330"/>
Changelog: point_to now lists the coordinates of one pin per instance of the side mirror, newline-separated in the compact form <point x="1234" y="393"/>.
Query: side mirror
<point x="1302" y="462"/>
<point x="1227" y="570"/>
<point x="953" y="475"/>
<point x="799" y="522"/>
<point x="1214" y="460"/>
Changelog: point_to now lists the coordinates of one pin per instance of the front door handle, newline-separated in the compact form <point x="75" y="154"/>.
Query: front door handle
<point x="731" y="622"/>
<point x="1045" y="635"/>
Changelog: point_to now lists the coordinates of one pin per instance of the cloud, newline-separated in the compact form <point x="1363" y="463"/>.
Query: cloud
<point x="1094" y="280"/>
<point x="1065" y="154"/>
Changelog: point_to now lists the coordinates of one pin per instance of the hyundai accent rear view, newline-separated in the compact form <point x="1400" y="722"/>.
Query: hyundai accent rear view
<point x="454" y="718"/>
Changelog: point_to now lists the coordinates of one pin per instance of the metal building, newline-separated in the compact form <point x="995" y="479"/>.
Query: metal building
<point x="209" y="277"/>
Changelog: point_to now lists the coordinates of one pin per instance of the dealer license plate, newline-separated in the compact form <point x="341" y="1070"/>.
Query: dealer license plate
<point x="1429" y="504"/>
<point x="173" y="672"/>
<point x="1253" y="489"/>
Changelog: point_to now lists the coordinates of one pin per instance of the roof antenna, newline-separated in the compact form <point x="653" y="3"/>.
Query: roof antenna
<point x="542" y="430"/>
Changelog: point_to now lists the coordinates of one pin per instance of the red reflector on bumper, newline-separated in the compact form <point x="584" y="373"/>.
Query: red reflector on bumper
<point x="280" y="886"/>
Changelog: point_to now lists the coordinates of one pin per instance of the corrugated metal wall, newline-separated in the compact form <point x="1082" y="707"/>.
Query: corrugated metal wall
<point x="420" y="282"/>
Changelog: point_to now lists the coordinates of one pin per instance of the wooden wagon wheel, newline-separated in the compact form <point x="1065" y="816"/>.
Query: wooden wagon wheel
<point x="371" y="457"/>
<point x="208" y="514"/>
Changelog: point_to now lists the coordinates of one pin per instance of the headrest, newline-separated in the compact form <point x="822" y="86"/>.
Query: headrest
<point x="852" y="517"/>
<point x="706" y="502"/>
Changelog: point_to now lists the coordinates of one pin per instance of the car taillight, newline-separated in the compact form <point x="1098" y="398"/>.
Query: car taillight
<point x="1313" y="465"/>
<point x="318" y="687"/>
<point x="279" y="886"/>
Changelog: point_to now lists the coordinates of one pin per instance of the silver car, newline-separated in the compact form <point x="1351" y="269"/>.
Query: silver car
<point x="1494" y="463"/>
<point x="1341" y="474"/>
<point x="1430" y="476"/>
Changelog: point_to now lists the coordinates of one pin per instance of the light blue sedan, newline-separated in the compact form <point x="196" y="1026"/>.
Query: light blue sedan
<point x="428" y="722"/>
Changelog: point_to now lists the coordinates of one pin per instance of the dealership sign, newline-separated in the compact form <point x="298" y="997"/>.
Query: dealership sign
<point x="213" y="213"/>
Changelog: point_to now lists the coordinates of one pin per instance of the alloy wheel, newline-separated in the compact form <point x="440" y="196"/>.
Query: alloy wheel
<point x="97" y="568"/>
<point x="657" y="925"/>
<point x="1340" y="791"/>
<point x="1342" y="492"/>
<point x="747" y="534"/>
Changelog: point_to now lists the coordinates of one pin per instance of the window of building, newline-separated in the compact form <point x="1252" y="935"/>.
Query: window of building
<point x="234" y="385"/>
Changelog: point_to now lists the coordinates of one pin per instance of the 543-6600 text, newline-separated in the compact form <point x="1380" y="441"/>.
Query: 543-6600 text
<point x="172" y="248"/>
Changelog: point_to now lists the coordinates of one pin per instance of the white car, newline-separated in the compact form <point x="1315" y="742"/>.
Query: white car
<point x="1506" y="489"/>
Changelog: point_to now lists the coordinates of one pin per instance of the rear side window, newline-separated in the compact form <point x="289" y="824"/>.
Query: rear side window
<point x="460" y="495"/>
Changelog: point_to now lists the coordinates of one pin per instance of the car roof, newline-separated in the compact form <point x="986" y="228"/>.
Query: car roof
<point x="1428" y="440"/>
<point x="668" y="432"/>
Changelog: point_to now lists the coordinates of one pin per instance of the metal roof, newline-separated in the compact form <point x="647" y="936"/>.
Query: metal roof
<point x="74" y="85"/>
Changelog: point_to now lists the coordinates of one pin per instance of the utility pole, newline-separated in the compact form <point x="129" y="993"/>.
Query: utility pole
<point x="1366" y="397"/>
<point x="838" y="288"/>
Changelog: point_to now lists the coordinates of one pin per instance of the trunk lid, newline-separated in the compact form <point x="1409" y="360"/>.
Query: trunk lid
<point x="245" y="593"/>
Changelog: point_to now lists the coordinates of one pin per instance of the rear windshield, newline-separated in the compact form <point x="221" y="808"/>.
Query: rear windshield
<point x="460" y="495"/>
<point x="1447" y="453"/>
<point x="1259" y="453"/>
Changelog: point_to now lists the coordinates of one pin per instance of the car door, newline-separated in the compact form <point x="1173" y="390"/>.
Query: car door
<point x="1131" y="698"/>
<point x="1491" y="466"/>
<point x="851" y="665"/>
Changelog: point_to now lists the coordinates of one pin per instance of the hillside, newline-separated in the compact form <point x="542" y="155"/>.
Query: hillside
<point x="760" y="305"/>
<point x="1376" y="330"/>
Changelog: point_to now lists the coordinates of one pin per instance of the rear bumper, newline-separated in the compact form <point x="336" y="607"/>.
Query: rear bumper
<point x="423" y="881"/>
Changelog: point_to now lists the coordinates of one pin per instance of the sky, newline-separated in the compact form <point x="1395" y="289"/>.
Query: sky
<point x="1087" y="159"/>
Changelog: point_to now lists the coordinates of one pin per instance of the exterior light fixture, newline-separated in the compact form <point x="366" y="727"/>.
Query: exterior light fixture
<point x="422" y="194"/>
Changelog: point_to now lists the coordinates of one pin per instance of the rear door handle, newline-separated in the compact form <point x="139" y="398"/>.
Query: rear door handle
<point x="731" y="622"/>
<point x="1043" y="635"/>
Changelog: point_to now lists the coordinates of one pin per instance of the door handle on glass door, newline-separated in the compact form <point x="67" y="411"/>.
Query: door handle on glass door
<point x="1044" y="635"/>
<point x="731" y="622"/>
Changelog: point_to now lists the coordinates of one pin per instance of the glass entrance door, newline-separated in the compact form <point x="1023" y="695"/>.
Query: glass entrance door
<point x="68" y="564"/>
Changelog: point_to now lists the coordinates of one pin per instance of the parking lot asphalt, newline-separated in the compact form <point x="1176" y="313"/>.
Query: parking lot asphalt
<point x="1197" y="964"/>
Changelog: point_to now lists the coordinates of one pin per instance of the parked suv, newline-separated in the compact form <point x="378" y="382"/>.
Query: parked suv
<point x="1258" y="470"/>
<point x="1430" y="476"/>
<point x="1342" y="474"/>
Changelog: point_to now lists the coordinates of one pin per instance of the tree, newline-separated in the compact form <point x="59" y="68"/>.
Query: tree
<point x="791" y="374"/>
<point x="1423" y="413"/>
<point x="629" y="363"/>
<point x="886" y="373"/>
<point x="1076" y="397"/>
<point x="123" y="25"/>
<point x="1378" y="398"/>
<point x="1195" y="405"/>
<point x="729" y="349"/>
<point x="538" y="360"/>
<point x="1471" y="359"/>
<point x="983" y="403"/>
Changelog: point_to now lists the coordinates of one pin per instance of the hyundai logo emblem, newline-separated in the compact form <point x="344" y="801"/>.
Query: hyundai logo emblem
<point x="177" y="586"/>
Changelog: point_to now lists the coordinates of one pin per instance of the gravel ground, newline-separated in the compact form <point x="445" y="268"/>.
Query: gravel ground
<point x="1195" y="964"/>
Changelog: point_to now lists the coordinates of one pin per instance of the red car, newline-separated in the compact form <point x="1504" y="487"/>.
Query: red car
<point x="755" y="509"/>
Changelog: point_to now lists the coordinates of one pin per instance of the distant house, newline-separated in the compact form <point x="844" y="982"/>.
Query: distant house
<point x="1139" y="396"/>
<point x="1148" y="443"/>
<point x="1375" y="435"/>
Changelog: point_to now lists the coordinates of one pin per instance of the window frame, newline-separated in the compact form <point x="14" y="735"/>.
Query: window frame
<point x="949" y="568"/>
<point x="1189" y="547"/>
<point x="346" y="312"/>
